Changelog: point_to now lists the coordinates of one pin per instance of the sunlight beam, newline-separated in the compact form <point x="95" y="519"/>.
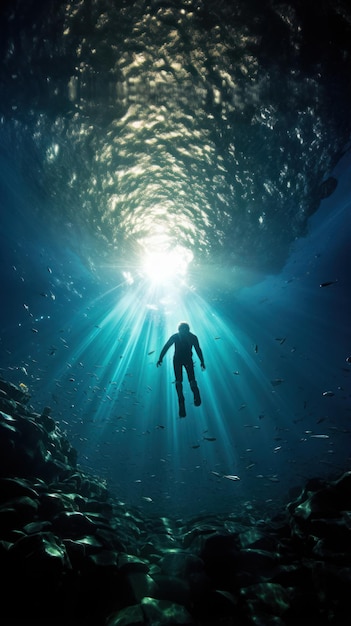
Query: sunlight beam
<point x="164" y="267"/>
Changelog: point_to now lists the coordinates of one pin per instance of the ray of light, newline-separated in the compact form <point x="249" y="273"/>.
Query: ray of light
<point x="120" y="353"/>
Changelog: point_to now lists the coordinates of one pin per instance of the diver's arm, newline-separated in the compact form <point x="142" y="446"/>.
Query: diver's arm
<point x="199" y="353"/>
<point x="164" y="350"/>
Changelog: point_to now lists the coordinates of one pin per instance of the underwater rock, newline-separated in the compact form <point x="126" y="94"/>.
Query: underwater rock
<point x="311" y="510"/>
<point x="39" y="452"/>
<point x="142" y="585"/>
<point x="16" y="487"/>
<point x="110" y="539"/>
<point x="77" y="552"/>
<point x="18" y="512"/>
<point x="40" y="552"/>
<point x="130" y="616"/>
<point x="321" y="497"/>
<point x="172" y="588"/>
<point x="64" y="540"/>
<point x="328" y="187"/>
<point x="219" y="556"/>
<point x="271" y="596"/>
<point x="132" y="564"/>
<point x="72" y="524"/>
<point x="104" y="558"/>
<point x="35" y="567"/>
<point x="165" y="613"/>
<point x="51" y="504"/>
<point x="14" y="393"/>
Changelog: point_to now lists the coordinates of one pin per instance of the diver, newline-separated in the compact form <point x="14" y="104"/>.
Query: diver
<point x="184" y="341"/>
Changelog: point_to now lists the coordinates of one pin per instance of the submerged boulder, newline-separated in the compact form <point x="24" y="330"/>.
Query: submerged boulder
<point x="72" y="553"/>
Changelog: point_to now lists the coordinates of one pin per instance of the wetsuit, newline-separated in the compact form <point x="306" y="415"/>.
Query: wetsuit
<point x="183" y="357"/>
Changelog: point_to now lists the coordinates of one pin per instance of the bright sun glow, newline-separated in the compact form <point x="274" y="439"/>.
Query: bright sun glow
<point x="166" y="266"/>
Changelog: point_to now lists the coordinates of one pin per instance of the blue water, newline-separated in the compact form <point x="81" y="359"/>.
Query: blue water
<point x="89" y="360"/>
<point x="82" y="325"/>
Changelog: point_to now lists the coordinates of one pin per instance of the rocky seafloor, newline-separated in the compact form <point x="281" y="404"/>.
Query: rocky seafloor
<point x="71" y="555"/>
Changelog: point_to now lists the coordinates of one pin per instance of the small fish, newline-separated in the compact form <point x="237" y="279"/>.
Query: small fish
<point x="280" y="339"/>
<point x="236" y="373"/>
<point x="329" y="282"/>
<point x="216" y="338"/>
<point x="196" y="446"/>
<point x="210" y="438"/>
<point x="277" y="381"/>
<point x="49" y="270"/>
<point x="152" y="351"/>
<point x="231" y="477"/>
<point x="256" y="348"/>
<point x="348" y="359"/>
<point x="34" y="330"/>
<point x="320" y="436"/>
<point x="26" y="307"/>
<point x="328" y="394"/>
<point x="147" y="499"/>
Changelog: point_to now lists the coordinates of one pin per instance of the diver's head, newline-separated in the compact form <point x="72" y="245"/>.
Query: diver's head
<point x="183" y="327"/>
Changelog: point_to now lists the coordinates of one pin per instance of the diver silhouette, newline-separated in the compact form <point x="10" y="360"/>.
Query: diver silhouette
<point x="184" y="341"/>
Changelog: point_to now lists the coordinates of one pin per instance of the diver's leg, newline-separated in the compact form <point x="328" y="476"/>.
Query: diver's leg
<point x="178" y="371"/>
<point x="196" y="392"/>
<point x="193" y="384"/>
<point x="179" y="388"/>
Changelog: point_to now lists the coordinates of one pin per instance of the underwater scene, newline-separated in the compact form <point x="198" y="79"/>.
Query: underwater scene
<point x="175" y="403"/>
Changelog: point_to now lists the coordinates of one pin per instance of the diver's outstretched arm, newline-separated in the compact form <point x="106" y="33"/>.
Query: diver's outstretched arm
<point x="199" y="353"/>
<point x="164" y="350"/>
